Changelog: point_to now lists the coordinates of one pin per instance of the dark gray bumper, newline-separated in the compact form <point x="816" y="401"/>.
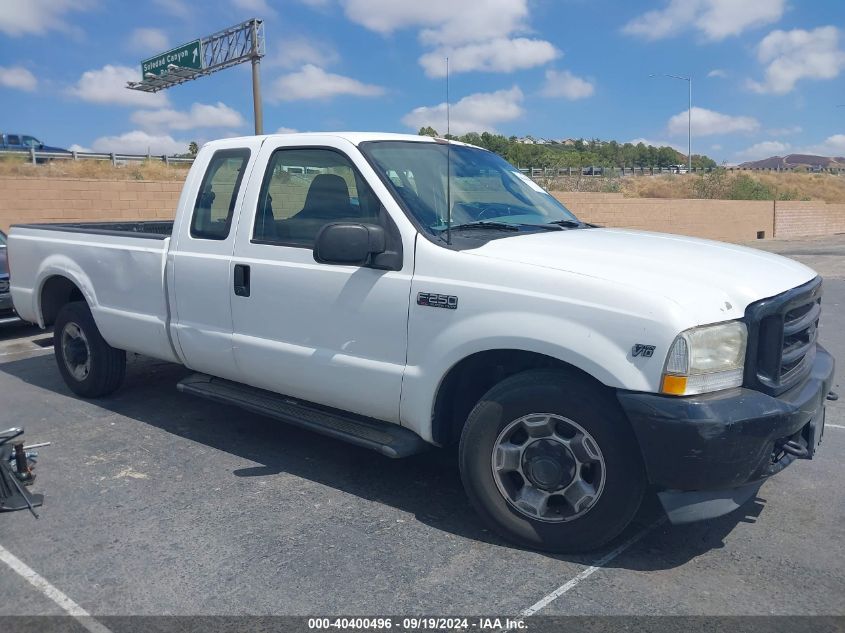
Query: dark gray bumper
<point x="709" y="454"/>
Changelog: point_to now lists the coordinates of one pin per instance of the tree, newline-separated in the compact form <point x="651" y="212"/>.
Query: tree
<point x="593" y="152"/>
<point x="193" y="148"/>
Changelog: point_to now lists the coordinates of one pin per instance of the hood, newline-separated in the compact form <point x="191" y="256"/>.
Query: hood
<point x="714" y="281"/>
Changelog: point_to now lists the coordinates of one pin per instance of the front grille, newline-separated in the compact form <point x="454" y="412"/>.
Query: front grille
<point x="4" y="285"/>
<point x="782" y="334"/>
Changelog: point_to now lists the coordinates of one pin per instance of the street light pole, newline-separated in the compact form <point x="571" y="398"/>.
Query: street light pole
<point x="689" y="116"/>
<point x="689" y="128"/>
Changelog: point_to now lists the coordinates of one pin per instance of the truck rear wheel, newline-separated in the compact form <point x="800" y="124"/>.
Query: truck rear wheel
<point x="90" y="367"/>
<point x="549" y="461"/>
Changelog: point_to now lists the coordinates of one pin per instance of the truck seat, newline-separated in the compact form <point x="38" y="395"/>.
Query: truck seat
<point x="327" y="199"/>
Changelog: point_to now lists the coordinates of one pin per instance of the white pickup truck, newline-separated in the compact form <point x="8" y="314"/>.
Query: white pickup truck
<point x="400" y="291"/>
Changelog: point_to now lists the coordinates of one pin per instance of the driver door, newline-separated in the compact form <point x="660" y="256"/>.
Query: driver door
<point x="335" y="335"/>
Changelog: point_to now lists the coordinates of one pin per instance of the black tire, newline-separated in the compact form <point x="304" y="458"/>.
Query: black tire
<point x="107" y="364"/>
<point x="590" y="406"/>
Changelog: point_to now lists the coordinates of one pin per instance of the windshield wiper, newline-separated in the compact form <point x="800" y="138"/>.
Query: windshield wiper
<point x="484" y="224"/>
<point x="575" y="224"/>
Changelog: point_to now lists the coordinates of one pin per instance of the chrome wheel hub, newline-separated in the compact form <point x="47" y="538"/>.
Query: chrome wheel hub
<point x="76" y="351"/>
<point x="548" y="467"/>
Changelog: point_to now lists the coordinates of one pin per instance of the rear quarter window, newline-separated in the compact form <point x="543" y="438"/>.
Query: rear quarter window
<point x="215" y="203"/>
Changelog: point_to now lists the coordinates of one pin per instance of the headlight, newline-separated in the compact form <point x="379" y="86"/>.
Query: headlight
<point x="706" y="358"/>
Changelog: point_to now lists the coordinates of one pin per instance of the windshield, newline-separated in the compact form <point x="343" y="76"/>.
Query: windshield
<point x="2" y="238"/>
<point x="484" y="187"/>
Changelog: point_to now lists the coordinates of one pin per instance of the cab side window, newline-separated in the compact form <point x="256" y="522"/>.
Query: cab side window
<point x="305" y="189"/>
<point x="218" y="193"/>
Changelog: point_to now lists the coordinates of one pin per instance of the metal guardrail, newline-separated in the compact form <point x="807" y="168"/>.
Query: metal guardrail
<point x="552" y="172"/>
<point x="535" y="172"/>
<point x="35" y="156"/>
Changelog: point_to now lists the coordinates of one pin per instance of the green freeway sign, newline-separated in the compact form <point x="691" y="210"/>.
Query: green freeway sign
<point x="187" y="56"/>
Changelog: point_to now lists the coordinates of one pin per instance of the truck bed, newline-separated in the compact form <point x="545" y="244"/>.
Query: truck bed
<point x="119" y="268"/>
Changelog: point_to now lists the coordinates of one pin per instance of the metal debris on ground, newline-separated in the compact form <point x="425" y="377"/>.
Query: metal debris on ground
<point x="16" y="466"/>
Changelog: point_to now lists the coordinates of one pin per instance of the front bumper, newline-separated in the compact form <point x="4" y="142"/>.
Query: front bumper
<point x="708" y="454"/>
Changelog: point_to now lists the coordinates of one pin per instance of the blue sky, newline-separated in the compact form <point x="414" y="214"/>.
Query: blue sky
<point x="767" y="74"/>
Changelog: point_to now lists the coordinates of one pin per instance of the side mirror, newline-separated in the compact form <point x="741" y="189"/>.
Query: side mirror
<point x="348" y="243"/>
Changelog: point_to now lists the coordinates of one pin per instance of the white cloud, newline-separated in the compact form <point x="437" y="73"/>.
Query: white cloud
<point x="790" y="56"/>
<point x="78" y="148"/>
<point x="37" y="17"/>
<point x="707" y="122"/>
<point x="176" y="8"/>
<point x="200" y="115"/>
<point x="564" y="84"/>
<point x="286" y="130"/>
<point x="315" y="83"/>
<point x="764" y="149"/>
<point x="148" y="40"/>
<point x="107" y="85"/>
<point x="259" y="8"/>
<point x="480" y="35"/>
<point x="716" y="147"/>
<point x="785" y="131"/>
<point x="294" y="52"/>
<point x="717" y="72"/>
<point x="140" y="142"/>
<point x="498" y="55"/>
<point x="17" y="77"/>
<point x="714" y="19"/>
<point x="475" y="113"/>
<point x="832" y="146"/>
<point x="443" y="22"/>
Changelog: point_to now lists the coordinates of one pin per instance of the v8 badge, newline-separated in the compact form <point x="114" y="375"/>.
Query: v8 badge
<point x="646" y="351"/>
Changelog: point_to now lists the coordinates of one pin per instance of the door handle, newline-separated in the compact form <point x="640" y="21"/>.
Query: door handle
<point x="241" y="280"/>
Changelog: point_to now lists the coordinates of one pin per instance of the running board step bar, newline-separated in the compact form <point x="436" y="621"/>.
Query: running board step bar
<point x="388" y="439"/>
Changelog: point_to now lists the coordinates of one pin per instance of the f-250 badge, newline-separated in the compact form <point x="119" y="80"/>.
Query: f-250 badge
<point x="646" y="351"/>
<point x="433" y="300"/>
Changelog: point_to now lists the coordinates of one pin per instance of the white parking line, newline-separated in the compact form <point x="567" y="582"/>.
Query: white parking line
<point x="599" y="564"/>
<point x="834" y="426"/>
<point x="34" y="351"/>
<point x="68" y="605"/>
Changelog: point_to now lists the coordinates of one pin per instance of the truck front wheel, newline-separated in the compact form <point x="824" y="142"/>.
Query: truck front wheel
<point x="549" y="461"/>
<point x="90" y="367"/>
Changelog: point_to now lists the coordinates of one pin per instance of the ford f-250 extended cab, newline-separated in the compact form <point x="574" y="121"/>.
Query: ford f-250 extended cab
<point x="400" y="291"/>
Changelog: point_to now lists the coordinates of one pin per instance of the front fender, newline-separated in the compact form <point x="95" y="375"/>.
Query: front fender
<point x="608" y="359"/>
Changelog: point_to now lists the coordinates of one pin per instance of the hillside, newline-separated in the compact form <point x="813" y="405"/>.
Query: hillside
<point x="531" y="152"/>
<point x="796" y="161"/>
<point x="742" y="186"/>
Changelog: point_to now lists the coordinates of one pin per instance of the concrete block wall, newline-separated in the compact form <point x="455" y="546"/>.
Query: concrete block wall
<point x="806" y="219"/>
<point x="31" y="200"/>
<point x="726" y="220"/>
